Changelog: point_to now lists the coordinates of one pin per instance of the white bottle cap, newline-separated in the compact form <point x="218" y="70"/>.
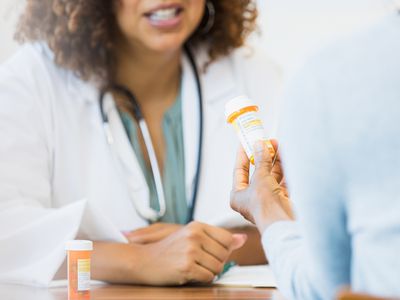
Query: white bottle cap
<point x="237" y="104"/>
<point x="79" y="245"/>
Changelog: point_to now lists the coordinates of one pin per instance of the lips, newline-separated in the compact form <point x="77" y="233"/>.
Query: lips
<point x="165" y="16"/>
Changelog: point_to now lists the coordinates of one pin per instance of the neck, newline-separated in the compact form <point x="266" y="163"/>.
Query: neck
<point x="149" y="75"/>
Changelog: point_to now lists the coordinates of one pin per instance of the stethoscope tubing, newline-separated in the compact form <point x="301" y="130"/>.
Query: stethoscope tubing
<point x="196" y="185"/>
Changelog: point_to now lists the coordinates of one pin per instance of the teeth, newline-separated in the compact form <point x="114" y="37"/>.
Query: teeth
<point x="164" y="14"/>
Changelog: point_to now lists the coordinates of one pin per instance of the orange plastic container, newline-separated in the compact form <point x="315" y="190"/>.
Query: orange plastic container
<point x="241" y="112"/>
<point x="79" y="259"/>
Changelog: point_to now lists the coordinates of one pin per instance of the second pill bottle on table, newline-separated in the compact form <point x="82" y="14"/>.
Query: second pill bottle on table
<point x="79" y="257"/>
<point x="242" y="113"/>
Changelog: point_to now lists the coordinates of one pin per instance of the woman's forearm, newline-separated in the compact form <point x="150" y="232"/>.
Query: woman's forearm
<point x="133" y="263"/>
<point x="252" y="252"/>
<point x="117" y="263"/>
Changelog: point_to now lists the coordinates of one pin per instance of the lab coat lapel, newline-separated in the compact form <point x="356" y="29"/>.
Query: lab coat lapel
<point x="121" y="147"/>
<point x="120" y="150"/>
<point x="218" y="84"/>
<point x="126" y="157"/>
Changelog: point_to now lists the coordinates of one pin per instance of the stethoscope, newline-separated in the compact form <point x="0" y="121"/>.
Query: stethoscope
<point x="149" y="214"/>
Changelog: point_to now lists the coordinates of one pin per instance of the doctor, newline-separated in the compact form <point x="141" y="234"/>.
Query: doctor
<point x="111" y="119"/>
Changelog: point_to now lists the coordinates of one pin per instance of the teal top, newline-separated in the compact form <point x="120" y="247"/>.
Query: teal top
<point x="177" y="209"/>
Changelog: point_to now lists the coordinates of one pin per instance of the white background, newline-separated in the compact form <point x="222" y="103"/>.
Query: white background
<point x="294" y="29"/>
<point x="291" y="29"/>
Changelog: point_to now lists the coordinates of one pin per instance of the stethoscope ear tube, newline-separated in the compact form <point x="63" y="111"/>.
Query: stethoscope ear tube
<point x="104" y="117"/>
<point x="154" y="168"/>
<point x="136" y="111"/>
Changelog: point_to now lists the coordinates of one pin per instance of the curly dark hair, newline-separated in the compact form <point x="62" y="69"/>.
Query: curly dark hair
<point x="81" y="33"/>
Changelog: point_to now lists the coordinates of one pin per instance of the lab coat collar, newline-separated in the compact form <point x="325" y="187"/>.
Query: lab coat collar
<point x="76" y="87"/>
<point x="87" y="91"/>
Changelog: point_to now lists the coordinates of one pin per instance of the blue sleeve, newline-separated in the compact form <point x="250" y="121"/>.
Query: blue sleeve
<point x="311" y="258"/>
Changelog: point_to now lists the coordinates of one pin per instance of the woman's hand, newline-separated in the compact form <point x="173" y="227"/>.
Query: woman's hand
<point x="153" y="233"/>
<point x="195" y="253"/>
<point x="264" y="200"/>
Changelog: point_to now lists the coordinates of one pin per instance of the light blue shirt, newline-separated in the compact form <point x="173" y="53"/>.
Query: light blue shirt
<point x="340" y="139"/>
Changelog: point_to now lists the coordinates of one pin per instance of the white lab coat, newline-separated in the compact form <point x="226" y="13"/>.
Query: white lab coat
<point x="59" y="178"/>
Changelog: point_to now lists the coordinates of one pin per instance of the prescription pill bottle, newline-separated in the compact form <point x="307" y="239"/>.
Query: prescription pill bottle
<point x="79" y="253"/>
<point x="242" y="113"/>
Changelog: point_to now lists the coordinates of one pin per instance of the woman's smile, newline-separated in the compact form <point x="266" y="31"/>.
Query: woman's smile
<point x="165" y="16"/>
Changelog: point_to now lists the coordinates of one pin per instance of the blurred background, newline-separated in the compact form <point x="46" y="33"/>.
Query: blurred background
<point x="291" y="29"/>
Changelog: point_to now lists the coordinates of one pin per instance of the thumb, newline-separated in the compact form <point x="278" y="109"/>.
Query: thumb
<point x="239" y="239"/>
<point x="262" y="158"/>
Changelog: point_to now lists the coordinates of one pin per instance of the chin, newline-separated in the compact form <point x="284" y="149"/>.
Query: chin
<point x="166" y="43"/>
<point x="166" y="47"/>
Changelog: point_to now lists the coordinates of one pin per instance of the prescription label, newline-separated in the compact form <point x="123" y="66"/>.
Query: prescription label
<point x="250" y="130"/>
<point x="83" y="274"/>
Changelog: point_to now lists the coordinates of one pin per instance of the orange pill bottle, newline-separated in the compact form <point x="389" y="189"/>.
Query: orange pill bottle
<point x="79" y="255"/>
<point x="242" y="113"/>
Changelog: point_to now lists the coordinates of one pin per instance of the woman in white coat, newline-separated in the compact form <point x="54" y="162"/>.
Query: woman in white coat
<point x="62" y="176"/>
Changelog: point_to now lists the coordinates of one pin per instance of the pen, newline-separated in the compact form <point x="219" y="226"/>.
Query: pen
<point x="229" y="265"/>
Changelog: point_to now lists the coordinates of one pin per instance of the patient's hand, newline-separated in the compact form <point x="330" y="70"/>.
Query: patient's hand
<point x="152" y="233"/>
<point x="264" y="200"/>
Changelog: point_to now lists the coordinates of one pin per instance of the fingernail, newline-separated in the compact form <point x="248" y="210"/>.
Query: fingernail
<point x="239" y="240"/>
<point x="242" y="236"/>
